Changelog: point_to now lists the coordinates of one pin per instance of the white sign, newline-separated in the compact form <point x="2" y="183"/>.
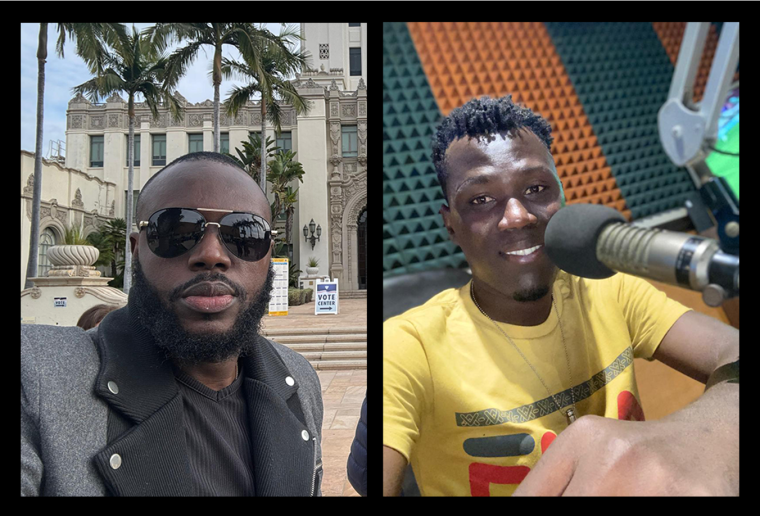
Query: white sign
<point x="327" y="297"/>
<point x="278" y="304"/>
<point x="59" y="302"/>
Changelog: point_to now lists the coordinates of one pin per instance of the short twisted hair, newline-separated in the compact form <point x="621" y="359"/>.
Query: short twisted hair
<point x="483" y="117"/>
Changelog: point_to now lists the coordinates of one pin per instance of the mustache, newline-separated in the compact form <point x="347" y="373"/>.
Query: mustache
<point x="209" y="276"/>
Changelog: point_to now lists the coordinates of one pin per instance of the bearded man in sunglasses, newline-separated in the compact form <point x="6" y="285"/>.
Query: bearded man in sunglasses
<point x="177" y="394"/>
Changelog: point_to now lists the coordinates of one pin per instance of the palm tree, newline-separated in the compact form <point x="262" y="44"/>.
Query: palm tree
<point x="243" y="36"/>
<point x="283" y="170"/>
<point x="250" y="156"/>
<point x="105" y="246"/>
<point x="110" y="240"/>
<point x="133" y="67"/>
<point x="269" y="74"/>
<point x="89" y="38"/>
<point x="289" y="200"/>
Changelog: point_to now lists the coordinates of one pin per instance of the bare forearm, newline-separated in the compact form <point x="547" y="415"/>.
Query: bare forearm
<point x="393" y="471"/>
<point x="719" y="405"/>
<point x="714" y="417"/>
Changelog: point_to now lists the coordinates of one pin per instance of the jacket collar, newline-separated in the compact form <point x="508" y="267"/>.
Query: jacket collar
<point x="138" y="383"/>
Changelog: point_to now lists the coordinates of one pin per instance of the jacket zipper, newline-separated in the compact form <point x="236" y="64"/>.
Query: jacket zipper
<point x="317" y="465"/>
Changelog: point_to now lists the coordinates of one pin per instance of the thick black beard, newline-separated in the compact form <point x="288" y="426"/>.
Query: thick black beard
<point x="532" y="294"/>
<point x="183" y="347"/>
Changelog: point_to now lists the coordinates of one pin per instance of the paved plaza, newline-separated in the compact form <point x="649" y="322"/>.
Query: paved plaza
<point x="342" y="391"/>
<point x="351" y="313"/>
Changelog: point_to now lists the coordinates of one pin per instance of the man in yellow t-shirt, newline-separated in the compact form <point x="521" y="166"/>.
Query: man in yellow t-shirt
<point x="522" y="382"/>
<point x="466" y="410"/>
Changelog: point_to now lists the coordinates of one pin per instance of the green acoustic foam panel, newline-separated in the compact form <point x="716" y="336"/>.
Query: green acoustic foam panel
<point x="622" y="74"/>
<point x="414" y="238"/>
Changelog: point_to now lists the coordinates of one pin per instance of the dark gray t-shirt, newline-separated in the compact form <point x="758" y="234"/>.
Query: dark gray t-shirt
<point x="218" y="437"/>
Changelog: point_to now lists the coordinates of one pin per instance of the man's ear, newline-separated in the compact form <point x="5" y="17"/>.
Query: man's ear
<point x="133" y="240"/>
<point x="445" y="212"/>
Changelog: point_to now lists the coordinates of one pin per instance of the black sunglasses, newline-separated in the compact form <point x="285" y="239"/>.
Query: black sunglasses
<point x="172" y="232"/>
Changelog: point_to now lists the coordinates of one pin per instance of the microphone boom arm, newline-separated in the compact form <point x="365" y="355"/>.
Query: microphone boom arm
<point x="689" y="130"/>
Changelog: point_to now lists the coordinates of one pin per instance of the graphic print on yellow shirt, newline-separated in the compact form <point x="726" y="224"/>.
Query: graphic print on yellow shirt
<point x="470" y="415"/>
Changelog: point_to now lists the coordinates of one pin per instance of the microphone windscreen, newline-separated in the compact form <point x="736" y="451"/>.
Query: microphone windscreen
<point x="571" y="237"/>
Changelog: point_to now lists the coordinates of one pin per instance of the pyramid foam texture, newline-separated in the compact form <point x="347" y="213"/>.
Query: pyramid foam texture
<point x="622" y="75"/>
<point x="414" y="238"/>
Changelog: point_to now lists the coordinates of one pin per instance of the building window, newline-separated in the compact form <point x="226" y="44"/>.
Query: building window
<point x="285" y="141"/>
<point x="47" y="239"/>
<point x="354" y="24"/>
<point x="195" y="143"/>
<point x="135" y="193"/>
<point x="224" y="143"/>
<point x="137" y="150"/>
<point x="324" y="51"/>
<point x="355" y="60"/>
<point x="159" y="150"/>
<point x="350" y="146"/>
<point x="96" y="151"/>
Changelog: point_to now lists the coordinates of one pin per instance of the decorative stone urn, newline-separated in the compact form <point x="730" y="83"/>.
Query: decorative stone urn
<point x="71" y="287"/>
<point x="73" y="260"/>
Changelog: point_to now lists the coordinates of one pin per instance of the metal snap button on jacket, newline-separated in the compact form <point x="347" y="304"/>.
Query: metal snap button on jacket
<point x="113" y="387"/>
<point x="305" y="435"/>
<point x="115" y="461"/>
<point x="290" y="381"/>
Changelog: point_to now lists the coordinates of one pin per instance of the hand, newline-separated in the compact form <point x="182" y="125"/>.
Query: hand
<point x="597" y="456"/>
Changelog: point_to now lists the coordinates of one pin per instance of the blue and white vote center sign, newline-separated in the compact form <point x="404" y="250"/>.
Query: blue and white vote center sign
<point x="327" y="297"/>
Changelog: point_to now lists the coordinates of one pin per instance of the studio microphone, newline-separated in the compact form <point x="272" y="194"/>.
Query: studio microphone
<point x="595" y="241"/>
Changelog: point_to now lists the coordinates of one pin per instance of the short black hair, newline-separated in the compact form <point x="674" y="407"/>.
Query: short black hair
<point x="195" y="156"/>
<point x="483" y="117"/>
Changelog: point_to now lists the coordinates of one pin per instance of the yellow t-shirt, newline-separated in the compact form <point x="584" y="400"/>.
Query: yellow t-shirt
<point x="472" y="417"/>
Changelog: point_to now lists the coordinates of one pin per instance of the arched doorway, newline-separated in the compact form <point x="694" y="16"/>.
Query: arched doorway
<point x="362" y="244"/>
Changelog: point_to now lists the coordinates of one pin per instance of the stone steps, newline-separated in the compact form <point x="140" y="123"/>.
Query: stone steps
<point x="326" y="348"/>
<point x="354" y="294"/>
<point x="339" y="364"/>
<point x="306" y="339"/>
<point x="272" y="333"/>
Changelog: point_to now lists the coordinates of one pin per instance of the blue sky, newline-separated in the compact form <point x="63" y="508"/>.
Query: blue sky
<point x="61" y="75"/>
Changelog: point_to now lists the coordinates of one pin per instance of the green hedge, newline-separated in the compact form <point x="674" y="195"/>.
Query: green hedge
<point x="298" y="296"/>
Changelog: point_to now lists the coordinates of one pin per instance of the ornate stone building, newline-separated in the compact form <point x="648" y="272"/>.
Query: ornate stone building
<point x="69" y="197"/>
<point x="330" y="141"/>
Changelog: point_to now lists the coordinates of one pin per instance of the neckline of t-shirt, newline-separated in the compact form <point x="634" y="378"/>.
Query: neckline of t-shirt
<point x="206" y="391"/>
<point x="515" y="331"/>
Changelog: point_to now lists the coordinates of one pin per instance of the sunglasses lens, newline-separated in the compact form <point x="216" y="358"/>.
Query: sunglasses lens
<point x="174" y="231"/>
<point x="246" y="236"/>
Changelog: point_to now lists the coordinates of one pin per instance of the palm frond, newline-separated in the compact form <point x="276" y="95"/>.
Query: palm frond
<point x="89" y="89"/>
<point x="234" y="70"/>
<point x="265" y="58"/>
<point x="160" y="36"/>
<point x="238" y="97"/>
<point x="179" y="61"/>
<point x="290" y="95"/>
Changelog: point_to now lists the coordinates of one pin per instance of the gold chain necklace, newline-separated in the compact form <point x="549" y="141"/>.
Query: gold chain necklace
<point x="570" y="412"/>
